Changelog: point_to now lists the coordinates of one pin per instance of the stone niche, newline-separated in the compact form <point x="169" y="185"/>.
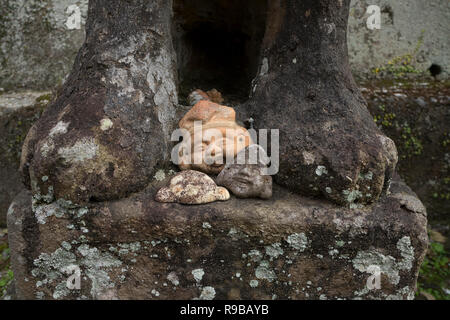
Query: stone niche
<point x="218" y="44"/>
<point x="95" y="160"/>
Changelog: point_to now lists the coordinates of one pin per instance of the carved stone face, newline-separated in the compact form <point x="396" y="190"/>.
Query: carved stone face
<point x="219" y="137"/>
<point x="246" y="179"/>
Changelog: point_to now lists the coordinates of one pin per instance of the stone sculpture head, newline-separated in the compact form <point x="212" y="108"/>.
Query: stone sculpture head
<point x="212" y="136"/>
<point x="245" y="178"/>
<point x="192" y="187"/>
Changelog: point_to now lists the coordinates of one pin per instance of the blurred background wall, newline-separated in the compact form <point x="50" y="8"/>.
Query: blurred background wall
<point x="37" y="49"/>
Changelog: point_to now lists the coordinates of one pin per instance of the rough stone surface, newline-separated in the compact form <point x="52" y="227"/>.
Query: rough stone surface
<point x="192" y="187"/>
<point x="329" y="145"/>
<point x="18" y="112"/>
<point x="37" y="49"/>
<point x="108" y="131"/>
<point x="405" y="25"/>
<point x="288" y="247"/>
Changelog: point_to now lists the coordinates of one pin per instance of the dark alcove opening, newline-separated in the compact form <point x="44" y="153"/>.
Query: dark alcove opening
<point x="218" y="45"/>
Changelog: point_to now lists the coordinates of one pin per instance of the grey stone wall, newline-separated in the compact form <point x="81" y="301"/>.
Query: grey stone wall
<point x="404" y="23"/>
<point x="37" y="49"/>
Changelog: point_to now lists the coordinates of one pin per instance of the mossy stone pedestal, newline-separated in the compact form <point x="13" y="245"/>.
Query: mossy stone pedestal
<point x="289" y="247"/>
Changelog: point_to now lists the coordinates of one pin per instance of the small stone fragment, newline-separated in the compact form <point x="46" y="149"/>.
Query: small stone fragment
<point x="192" y="187"/>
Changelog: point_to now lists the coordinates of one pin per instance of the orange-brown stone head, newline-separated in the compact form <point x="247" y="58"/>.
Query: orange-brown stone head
<point x="212" y="136"/>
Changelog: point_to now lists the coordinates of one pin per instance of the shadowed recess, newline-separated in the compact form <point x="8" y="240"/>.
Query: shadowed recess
<point x="218" y="44"/>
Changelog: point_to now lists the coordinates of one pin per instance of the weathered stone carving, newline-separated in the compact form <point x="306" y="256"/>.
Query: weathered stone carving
<point x="108" y="132"/>
<point x="219" y="137"/>
<point x="329" y="143"/>
<point x="192" y="187"/>
<point x="248" y="179"/>
<point x="109" y="128"/>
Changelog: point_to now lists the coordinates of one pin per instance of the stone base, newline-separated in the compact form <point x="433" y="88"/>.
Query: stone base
<point x="289" y="247"/>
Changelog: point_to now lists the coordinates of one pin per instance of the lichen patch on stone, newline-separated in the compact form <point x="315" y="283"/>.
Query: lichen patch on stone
<point x="82" y="150"/>
<point x="47" y="147"/>
<point x="407" y="253"/>
<point x="106" y="124"/>
<point x="321" y="170"/>
<point x="255" y="255"/>
<point x="264" y="272"/>
<point x="254" y="283"/>
<point x="172" y="277"/>
<point x="208" y="293"/>
<point x="206" y="225"/>
<point x="160" y="175"/>
<point x="298" y="241"/>
<point x="198" y="274"/>
<point x="388" y="265"/>
<point x="44" y="211"/>
<point x="274" y="250"/>
<point x="352" y="195"/>
<point x="60" y="128"/>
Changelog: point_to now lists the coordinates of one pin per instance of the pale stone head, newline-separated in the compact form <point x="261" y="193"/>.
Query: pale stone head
<point x="192" y="187"/>
<point x="247" y="179"/>
<point x="212" y="136"/>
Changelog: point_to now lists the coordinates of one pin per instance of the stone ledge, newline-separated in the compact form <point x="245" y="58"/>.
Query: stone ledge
<point x="289" y="247"/>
